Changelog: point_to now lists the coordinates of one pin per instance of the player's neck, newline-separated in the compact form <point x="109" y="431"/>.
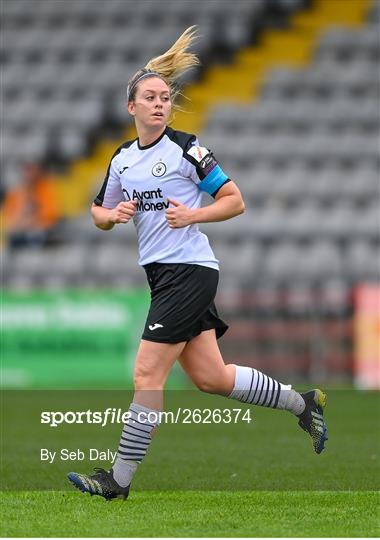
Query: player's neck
<point x="148" y="136"/>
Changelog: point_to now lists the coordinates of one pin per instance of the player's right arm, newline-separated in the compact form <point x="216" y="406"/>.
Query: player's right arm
<point x="106" y="218"/>
<point x="110" y="206"/>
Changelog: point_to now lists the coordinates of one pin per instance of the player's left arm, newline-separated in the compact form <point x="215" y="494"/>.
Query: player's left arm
<point x="228" y="204"/>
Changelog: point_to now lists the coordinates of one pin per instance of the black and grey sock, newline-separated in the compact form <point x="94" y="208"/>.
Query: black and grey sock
<point x="134" y="442"/>
<point x="252" y="386"/>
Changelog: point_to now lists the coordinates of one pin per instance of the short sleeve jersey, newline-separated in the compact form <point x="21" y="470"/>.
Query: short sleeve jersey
<point x="174" y="166"/>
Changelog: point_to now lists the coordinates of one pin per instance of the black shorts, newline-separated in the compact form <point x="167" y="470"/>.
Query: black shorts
<point x="182" y="302"/>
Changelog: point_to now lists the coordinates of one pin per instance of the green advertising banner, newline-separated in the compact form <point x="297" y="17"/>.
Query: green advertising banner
<point x="71" y="339"/>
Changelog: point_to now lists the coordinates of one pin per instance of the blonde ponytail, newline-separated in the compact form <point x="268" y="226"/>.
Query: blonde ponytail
<point x="174" y="62"/>
<point x="169" y="65"/>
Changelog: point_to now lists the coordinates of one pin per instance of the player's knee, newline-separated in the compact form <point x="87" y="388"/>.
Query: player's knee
<point x="214" y="383"/>
<point x="144" y="379"/>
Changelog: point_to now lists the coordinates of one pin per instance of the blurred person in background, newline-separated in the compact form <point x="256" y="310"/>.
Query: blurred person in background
<point x="31" y="209"/>
<point x="157" y="181"/>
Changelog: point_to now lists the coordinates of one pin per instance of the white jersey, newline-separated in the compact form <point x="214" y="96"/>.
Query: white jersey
<point x="176" y="167"/>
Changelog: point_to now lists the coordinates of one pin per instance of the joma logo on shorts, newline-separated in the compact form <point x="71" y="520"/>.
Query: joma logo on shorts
<point x="143" y="205"/>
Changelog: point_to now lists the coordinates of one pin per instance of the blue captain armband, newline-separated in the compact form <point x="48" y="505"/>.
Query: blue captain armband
<point x="213" y="181"/>
<point x="209" y="171"/>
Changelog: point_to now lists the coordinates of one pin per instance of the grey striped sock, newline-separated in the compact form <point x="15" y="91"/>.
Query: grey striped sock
<point x="252" y="386"/>
<point x="134" y="442"/>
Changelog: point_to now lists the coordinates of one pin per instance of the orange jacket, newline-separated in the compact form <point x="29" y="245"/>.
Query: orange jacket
<point x="40" y="202"/>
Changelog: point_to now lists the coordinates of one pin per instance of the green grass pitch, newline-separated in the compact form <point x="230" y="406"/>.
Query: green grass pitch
<point x="261" y="479"/>
<point x="187" y="514"/>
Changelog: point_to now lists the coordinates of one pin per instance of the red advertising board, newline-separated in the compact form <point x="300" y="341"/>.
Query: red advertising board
<point x="367" y="336"/>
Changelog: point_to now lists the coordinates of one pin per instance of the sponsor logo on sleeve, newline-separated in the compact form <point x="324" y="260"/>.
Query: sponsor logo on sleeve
<point x="205" y="159"/>
<point x="198" y="152"/>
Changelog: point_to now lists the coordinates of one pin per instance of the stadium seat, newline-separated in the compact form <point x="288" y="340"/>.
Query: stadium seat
<point x="362" y="261"/>
<point x="305" y="153"/>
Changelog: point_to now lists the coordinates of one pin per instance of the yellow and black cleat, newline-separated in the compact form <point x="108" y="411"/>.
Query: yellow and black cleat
<point x="100" y="483"/>
<point x="312" y="421"/>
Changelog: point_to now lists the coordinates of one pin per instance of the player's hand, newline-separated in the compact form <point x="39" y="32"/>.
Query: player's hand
<point x="179" y="216"/>
<point x="123" y="212"/>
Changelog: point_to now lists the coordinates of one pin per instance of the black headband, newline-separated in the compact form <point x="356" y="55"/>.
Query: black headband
<point x="146" y="73"/>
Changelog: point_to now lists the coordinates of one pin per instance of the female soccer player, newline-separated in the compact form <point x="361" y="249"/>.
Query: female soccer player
<point x="157" y="181"/>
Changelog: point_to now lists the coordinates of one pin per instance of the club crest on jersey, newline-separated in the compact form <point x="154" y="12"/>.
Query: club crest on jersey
<point x="159" y="169"/>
